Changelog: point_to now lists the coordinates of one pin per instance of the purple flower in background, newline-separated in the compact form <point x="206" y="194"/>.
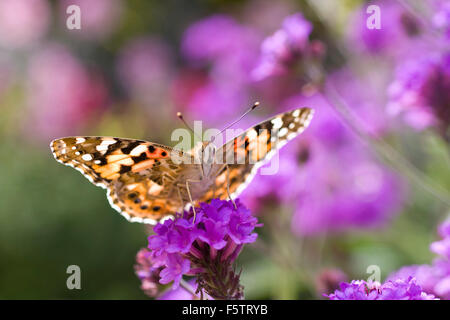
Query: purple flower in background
<point x="396" y="28"/>
<point x="441" y="18"/>
<point x="206" y="247"/>
<point x="391" y="290"/>
<point x="99" y="18"/>
<point x="337" y="185"/>
<point x="434" y="278"/>
<point x="421" y="93"/>
<point x="144" y="67"/>
<point x="62" y="93"/>
<point x="284" y="47"/>
<point x="214" y="37"/>
<point x="23" y="22"/>
<point x="344" y="189"/>
<point x="220" y="53"/>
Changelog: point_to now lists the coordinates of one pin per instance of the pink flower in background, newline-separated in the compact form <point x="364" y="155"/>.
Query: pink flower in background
<point x="23" y="22"/>
<point x="99" y="18"/>
<point x="147" y="273"/>
<point x="145" y="68"/>
<point x="62" y="93"/>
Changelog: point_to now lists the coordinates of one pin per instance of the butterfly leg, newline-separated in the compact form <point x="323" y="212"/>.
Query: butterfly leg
<point x="181" y="198"/>
<point x="228" y="187"/>
<point x="189" y="195"/>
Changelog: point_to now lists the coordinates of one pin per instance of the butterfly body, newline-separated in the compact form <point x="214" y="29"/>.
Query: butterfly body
<point x="147" y="182"/>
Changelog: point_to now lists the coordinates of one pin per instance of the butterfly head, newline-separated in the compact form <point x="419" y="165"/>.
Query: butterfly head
<point x="206" y="150"/>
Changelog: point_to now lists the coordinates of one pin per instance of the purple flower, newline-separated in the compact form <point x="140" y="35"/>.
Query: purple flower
<point x="175" y="267"/>
<point x="204" y="247"/>
<point x="214" y="37"/>
<point x="284" y="47"/>
<point x="421" y="93"/>
<point x="396" y="28"/>
<point x="441" y="18"/>
<point x="391" y="290"/>
<point x="337" y="185"/>
<point x="220" y="53"/>
<point x="434" y="278"/>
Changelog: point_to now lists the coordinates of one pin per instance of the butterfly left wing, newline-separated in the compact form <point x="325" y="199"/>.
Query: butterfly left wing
<point x="246" y="153"/>
<point x="141" y="177"/>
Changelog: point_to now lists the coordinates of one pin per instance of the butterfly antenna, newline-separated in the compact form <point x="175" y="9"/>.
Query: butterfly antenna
<point x="180" y="116"/>
<point x="254" y="106"/>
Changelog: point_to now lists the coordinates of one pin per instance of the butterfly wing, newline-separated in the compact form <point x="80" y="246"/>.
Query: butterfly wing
<point x="247" y="152"/>
<point x="141" y="177"/>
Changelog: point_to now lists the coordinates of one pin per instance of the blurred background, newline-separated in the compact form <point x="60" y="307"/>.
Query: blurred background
<point x="366" y="184"/>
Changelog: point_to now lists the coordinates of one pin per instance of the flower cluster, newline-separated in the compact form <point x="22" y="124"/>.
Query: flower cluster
<point x="204" y="245"/>
<point x="285" y="46"/>
<point x="338" y="186"/>
<point x="147" y="272"/>
<point x="441" y="18"/>
<point x="391" y="290"/>
<point x="434" y="278"/>
<point x="421" y="93"/>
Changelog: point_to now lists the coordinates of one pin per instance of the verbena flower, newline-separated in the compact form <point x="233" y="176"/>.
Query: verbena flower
<point x="147" y="273"/>
<point x="284" y="47"/>
<point x="441" y="17"/>
<point x="435" y="277"/>
<point x="220" y="53"/>
<point x="338" y="185"/>
<point x="421" y="93"/>
<point x="391" y="290"/>
<point x="397" y="28"/>
<point x="205" y="247"/>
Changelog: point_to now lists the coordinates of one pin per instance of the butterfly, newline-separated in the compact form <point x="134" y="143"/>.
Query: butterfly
<point x="148" y="182"/>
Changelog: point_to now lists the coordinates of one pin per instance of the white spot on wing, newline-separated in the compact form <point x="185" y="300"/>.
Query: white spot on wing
<point x="138" y="150"/>
<point x="86" y="157"/>
<point x="277" y="123"/>
<point x="282" y="132"/>
<point x="102" y="148"/>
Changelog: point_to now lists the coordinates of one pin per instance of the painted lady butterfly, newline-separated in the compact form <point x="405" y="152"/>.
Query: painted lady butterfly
<point x="147" y="182"/>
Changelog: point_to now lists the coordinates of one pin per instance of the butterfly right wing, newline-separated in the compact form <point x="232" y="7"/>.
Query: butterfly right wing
<point x="142" y="178"/>
<point x="247" y="152"/>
